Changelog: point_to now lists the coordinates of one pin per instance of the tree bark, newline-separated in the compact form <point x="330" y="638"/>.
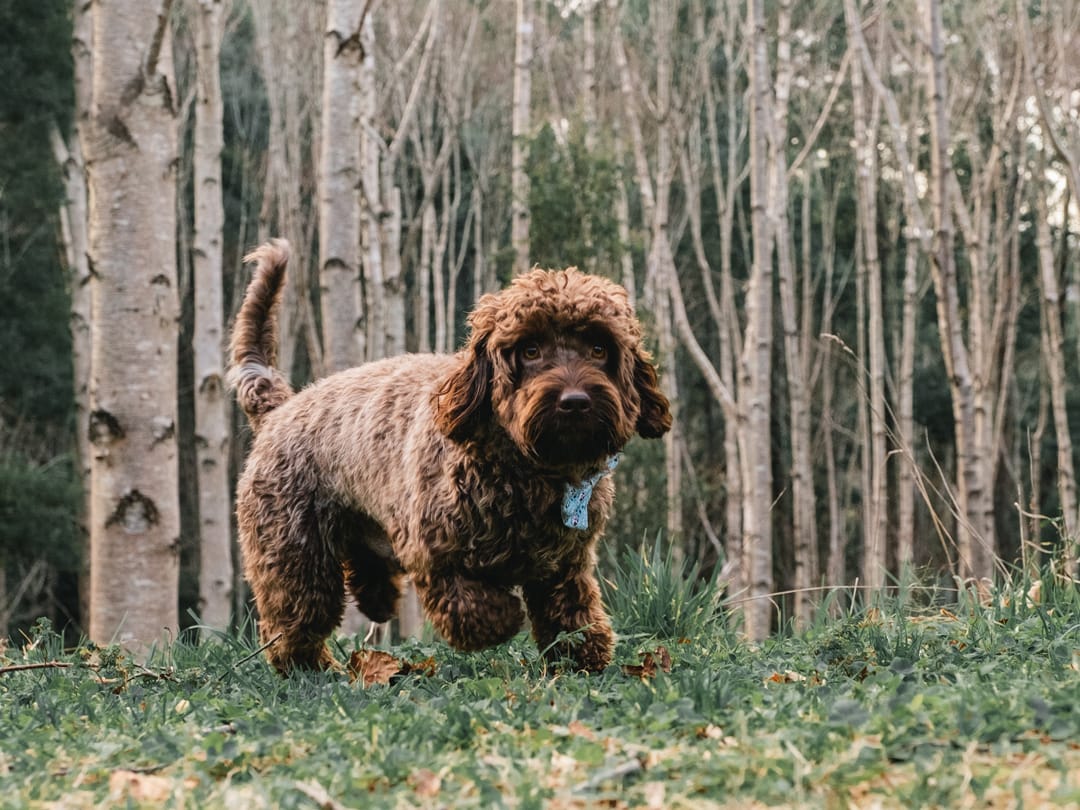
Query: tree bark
<point x="724" y="312"/>
<point x="875" y="452"/>
<point x="131" y="155"/>
<point x="1055" y="366"/>
<point x="211" y="404"/>
<point x="519" y="178"/>
<point x="975" y="537"/>
<point x="804" y="506"/>
<point x="339" y="181"/>
<point x="371" y="201"/>
<point x="905" y="474"/>
<point x="74" y="224"/>
<point x="755" y="366"/>
<point x="588" y="74"/>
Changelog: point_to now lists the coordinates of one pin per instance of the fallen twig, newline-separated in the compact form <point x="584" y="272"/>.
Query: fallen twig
<point x="319" y="794"/>
<point x="248" y="657"/>
<point x="623" y="769"/>
<point x="38" y="665"/>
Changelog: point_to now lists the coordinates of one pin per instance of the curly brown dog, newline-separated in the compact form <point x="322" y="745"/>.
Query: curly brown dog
<point x="483" y="475"/>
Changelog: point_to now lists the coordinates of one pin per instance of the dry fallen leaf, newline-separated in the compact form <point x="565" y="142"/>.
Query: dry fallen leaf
<point x="654" y="795"/>
<point x="425" y="783"/>
<point x="373" y="666"/>
<point x="139" y="787"/>
<point x="651" y="662"/>
<point x="425" y="667"/>
<point x="376" y="666"/>
<point x="579" y="729"/>
<point x="789" y="677"/>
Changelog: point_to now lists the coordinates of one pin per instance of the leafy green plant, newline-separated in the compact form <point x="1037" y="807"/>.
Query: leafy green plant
<point x="653" y="592"/>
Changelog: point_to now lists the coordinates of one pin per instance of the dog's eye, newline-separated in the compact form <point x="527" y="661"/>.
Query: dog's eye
<point x="530" y="351"/>
<point x="599" y="351"/>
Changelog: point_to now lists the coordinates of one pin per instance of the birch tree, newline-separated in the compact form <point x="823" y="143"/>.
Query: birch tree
<point x="727" y="176"/>
<point x="211" y="415"/>
<point x="1063" y="141"/>
<point x="796" y="347"/>
<point x="1053" y="313"/>
<point x="975" y="529"/>
<point x="74" y="223"/>
<point x="918" y="242"/>
<point x="344" y="342"/>
<point x="875" y="451"/>
<point x="519" y="178"/>
<point x="130" y="148"/>
<point x="755" y="365"/>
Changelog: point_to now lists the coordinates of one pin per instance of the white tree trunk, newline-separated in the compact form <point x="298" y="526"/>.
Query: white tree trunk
<point x="918" y="233"/>
<point x="727" y="322"/>
<point x="905" y="475"/>
<point x="211" y="404"/>
<point x="393" y="272"/>
<point x="426" y="270"/>
<point x="131" y="158"/>
<point x="622" y="218"/>
<point x="804" y="526"/>
<point x="74" y="227"/>
<point x="588" y="76"/>
<point x="975" y="539"/>
<point x="371" y="200"/>
<point x="660" y="266"/>
<point x="835" y="566"/>
<point x="875" y="524"/>
<point x="1055" y="367"/>
<point x="519" y="178"/>
<point x="339" y="181"/>
<point x="755" y="370"/>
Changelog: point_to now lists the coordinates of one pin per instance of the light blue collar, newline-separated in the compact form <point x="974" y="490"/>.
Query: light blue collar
<point x="575" y="502"/>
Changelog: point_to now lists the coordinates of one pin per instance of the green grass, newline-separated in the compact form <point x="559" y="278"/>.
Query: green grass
<point x="901" y="705"/>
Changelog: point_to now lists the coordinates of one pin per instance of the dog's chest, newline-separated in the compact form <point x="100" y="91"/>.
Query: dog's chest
<point x="514" y="531"/>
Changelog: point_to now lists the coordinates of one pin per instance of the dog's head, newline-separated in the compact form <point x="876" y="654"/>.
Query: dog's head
<point x="557" y="360"/>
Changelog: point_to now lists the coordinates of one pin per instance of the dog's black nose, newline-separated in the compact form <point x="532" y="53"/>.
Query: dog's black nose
<point x="574" y="400"/>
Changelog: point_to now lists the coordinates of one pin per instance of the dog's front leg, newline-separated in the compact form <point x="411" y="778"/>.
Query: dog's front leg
<point x="570" y="603"/>
<point x="468" y="613"/>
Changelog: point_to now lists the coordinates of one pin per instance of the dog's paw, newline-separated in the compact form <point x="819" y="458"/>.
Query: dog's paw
<point x="286" y="659"/>
<point x="590" y="650"/>
<point x="594" y="653"/>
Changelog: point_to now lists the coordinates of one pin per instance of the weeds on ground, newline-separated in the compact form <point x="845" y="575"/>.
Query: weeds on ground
<point x="900" y="704"/>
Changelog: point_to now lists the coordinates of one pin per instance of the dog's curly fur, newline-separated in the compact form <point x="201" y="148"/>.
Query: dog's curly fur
<point x="448" y="468"/>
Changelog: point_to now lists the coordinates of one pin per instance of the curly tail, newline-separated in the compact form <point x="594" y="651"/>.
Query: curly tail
<point x="259" y="386"/>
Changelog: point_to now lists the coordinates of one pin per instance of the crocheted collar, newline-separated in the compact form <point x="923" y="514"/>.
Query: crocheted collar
<point x="575" y="502"/>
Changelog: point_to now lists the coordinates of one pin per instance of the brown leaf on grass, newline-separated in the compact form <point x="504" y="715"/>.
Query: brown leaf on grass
<point x="425" y="783"/>
<point x="786" y="677"/>
<point x="373" y="666"/>
<point x="376" y="666"/>
<point x="651" y="662"/>
<point x="425" y="667"/>
<point x="139" y="787"/>
<point x="579" y="729"/>
<point x="318" y="794"/>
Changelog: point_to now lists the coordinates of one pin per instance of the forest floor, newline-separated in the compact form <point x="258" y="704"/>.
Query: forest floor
<point x="910" y="703"/>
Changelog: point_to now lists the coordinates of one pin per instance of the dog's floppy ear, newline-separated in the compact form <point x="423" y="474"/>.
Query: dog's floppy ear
<point x="464" y="400"/>
<point x="654" y="418"/>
